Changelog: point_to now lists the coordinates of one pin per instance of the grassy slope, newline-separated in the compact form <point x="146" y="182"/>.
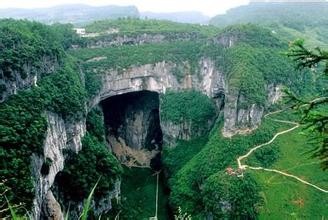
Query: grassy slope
<point x="281" y="193"/>
<point x="310" y="35"/>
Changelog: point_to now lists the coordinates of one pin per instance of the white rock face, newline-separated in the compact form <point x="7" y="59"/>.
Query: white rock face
<point x="11" y="85"/>
<point x="51" y="208"/>
<point x="239" y="120"/>
<point x="125" y="39"/>
<point x="59" y="137"/>
<point x="274" y="93"/>
<point x="159" y="77"/>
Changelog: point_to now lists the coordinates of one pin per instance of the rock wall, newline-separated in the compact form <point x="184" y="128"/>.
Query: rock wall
<point x="59" y="136"/>
<point x="183" y="131"/>
<point x="102" y="206"/>
<point x="119" y="40"/>
<point x="240" y="119"/>
<point x="95" y="40"/>
<point x="160" y="77"/>
<point x="275" y="93"/>
<point x="134" y="117"/>
<point x="13" y="81"/>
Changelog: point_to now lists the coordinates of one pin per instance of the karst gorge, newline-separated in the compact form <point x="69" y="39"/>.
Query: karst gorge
<point x="131" y="118"/>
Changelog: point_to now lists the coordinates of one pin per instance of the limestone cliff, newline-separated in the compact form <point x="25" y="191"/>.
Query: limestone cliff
<point x="96" y="40"/>
<point x="60" y="136"/>
<point x="12" y="81"/>
<point x="159" y="78"/>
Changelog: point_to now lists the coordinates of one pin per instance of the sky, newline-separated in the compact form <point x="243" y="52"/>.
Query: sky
<point x="207" y="7"/>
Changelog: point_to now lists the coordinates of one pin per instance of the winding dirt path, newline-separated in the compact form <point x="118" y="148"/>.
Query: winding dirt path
<point x="245" y="166"/>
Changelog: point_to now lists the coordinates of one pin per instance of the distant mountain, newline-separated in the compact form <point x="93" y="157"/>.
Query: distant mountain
<point x="285" y="12"/>
<point x="70" y="13"/>
<point x="290" y="20"/>
<point x="193" y="17"/>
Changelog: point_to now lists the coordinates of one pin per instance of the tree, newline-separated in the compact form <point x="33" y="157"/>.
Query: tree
<point x="314" y="110"/>
<point x="230" y="197"/>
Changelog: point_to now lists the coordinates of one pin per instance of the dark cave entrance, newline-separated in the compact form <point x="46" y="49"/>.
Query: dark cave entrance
<point x="133" y="118"/>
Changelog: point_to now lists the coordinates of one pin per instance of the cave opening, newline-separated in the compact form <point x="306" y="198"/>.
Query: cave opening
<point x="133" y="130"/>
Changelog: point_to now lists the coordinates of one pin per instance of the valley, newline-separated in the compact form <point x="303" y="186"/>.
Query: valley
<point x="137" y="118"/>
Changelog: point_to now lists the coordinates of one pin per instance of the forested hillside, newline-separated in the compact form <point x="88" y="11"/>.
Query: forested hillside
<point x="153" y="115"/>
<point x="289" y="20"/>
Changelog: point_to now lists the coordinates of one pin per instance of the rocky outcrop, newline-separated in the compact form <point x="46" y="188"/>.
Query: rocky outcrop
<point x="51" y="209"/>
<point x="12" y="81"/>
<point x="60" y="136"/>
<point x="226" y="39"/>
<point x="119" y="40"/>
<point x="183" y="131"/>
<point x="240" y="119"/>
<point x="160" y="77"/>
<point x="96" y="40"/>
<point x="275" y="93"/>
<point x="101" y="206"/>
<point x="134" y="117"/>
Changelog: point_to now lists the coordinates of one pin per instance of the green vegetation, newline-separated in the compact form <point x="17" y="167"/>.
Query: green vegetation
<point x="314" y="109"/>
<point x="126" y="56"/>
<point x="285" y="198"/>
<point x="139" y="195"/>
<point x="22" y="122"/>
<point x="95" y="124"/>
<point x="23" y="44"/>
<point x="66" y="35"/>
<point x="215" y="156"/>
<point x="195" y="168"/>
<point x="94" y="161"/>
<point x="256" y="60"/>
<point x="23" y="127"/>
<point x="287" y="20"/>
<point x="132" y="26"/>
<point x="231" y="197"/>
<point x="82" y="171"/>
<point x="87" y="203"/>
<point x="175" y="158"/>
<point x="293" y="15"/>
<point x="185" y="106"/>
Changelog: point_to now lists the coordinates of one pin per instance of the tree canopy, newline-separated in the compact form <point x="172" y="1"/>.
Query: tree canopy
<point x="314" y="109"/>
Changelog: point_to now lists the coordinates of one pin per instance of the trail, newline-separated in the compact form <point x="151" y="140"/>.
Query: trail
<point x="245" y="166"/>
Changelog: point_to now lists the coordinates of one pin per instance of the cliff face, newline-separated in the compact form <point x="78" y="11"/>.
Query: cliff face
<point x="60" y="136"/>
<point x="134" y="117"/>
<point x="240" y="120"/>
<point x="159" y="78"/>
<point x="113" y="39"/>
<point x="12" y="81"/>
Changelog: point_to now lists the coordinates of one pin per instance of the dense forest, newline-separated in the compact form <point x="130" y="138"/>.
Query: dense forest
<point x="52" y="79"/>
